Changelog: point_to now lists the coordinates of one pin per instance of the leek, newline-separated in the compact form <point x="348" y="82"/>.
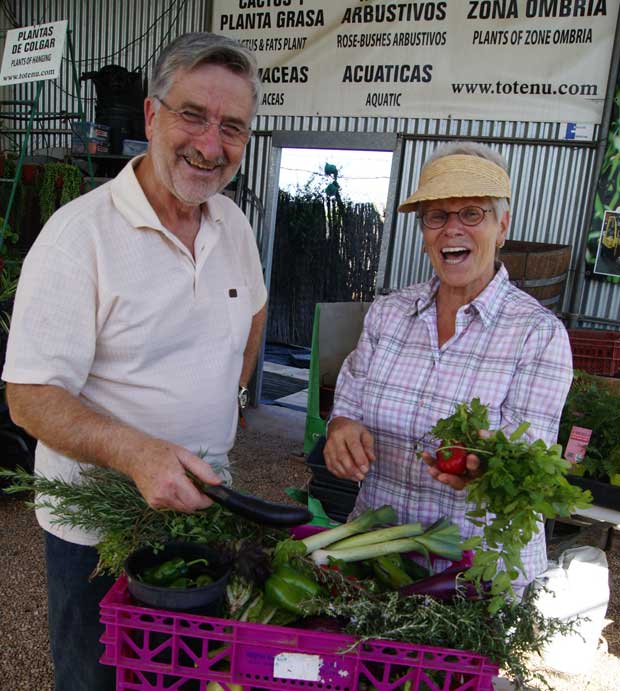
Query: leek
<point x="365" y="521"/>
<point x="376" y="549"/>
<point x="381" y="535"/>
<point x="442" y="539"/>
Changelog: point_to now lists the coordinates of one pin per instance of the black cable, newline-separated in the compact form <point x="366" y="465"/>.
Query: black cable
<point x="10" y="15"/>
<point x="135" y="40"/>
<point x="68" y="93"/>
<point x="174" y="21"/>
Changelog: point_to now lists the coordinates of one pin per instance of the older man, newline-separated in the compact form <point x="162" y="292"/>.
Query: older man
<point x="137" y="322"/>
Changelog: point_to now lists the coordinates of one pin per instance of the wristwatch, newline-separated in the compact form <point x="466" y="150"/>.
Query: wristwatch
<point x="243" y="396"/>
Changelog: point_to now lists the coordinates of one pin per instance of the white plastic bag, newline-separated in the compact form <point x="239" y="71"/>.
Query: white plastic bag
<point x="579" y="586"/>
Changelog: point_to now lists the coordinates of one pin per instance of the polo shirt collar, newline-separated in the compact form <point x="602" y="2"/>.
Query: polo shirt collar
<point x="487" y="304"/>
<point x="129" y="198"/>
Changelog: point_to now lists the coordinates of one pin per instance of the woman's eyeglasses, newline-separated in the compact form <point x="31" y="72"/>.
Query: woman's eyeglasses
<point x="468" y="216"/>
<point x="196" y="125"/>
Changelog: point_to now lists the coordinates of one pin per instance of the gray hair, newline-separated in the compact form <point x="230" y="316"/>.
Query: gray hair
<point x="461" y="148"/>
<point x="199" y="48"/>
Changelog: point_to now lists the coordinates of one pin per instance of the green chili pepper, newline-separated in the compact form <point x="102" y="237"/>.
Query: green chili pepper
<point x="168" y="571"/>
<point x="165" y="573"/>
<point x="182" y="582"/>
<point x="203" y="579"/>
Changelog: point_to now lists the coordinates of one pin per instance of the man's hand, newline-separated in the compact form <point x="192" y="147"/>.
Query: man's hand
<point x="159" y="472"/>
<point x="349" y="449"/>
<point x="64" y="423"/>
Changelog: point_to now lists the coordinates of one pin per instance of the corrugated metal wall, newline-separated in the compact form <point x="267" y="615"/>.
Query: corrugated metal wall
<point x="550" y="178"/>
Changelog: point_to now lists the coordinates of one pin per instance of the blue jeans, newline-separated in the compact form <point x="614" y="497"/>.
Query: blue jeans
<point x="73" y="617"/>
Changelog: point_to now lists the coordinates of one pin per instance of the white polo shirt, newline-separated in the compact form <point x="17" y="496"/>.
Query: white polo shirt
<point x="113" y="307"/>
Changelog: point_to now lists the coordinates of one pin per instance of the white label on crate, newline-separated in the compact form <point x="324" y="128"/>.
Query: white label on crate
<point x="297" y="666"/>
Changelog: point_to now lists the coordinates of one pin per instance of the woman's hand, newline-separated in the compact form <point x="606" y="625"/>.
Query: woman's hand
<point x="349" y="449"/>
<point x="472" y="463"/>
<point x="455" y="481"/>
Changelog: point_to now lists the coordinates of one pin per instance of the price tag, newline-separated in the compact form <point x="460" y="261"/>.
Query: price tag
<point x="297" y="666"/>
<point x="577" y="444"/>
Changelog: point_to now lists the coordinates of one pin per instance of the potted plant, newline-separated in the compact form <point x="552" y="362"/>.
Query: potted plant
<point x="593" y="404"/>
<point x="61" y="183"/>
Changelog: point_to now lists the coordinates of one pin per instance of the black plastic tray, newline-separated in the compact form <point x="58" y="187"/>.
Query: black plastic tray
<point x="333" y="501"/>
<point x="603" y="493"/>
<point x="320" y="474"/>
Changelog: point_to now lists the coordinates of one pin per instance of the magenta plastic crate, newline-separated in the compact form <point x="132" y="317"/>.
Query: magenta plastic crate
<point x="155" y="650"/>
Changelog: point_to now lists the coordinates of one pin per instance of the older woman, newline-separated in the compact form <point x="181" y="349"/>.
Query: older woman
<point x="466" y="333"/>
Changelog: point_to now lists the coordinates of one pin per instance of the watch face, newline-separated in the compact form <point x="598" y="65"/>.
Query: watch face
<point x="244" y="397"/>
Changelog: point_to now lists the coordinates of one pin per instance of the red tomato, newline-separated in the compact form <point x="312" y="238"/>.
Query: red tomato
<point x="452" y="459"/>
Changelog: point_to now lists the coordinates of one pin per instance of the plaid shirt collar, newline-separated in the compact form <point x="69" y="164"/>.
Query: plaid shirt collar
<point x="487" y="304"/>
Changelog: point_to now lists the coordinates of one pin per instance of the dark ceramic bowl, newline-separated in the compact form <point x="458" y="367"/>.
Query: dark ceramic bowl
<point x="206" y="600"/>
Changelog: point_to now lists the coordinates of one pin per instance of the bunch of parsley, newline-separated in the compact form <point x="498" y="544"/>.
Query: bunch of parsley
<point x="521" y="484"/>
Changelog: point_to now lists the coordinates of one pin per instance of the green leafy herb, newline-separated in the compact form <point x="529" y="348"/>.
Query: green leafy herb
<point x="521" y="483"/>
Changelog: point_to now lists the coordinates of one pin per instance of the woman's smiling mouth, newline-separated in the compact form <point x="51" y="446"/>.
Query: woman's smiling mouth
<point x="455" y="255"/>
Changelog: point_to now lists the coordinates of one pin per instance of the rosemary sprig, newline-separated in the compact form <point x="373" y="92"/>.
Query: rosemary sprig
<point x="109" y="503"/>
<point x="509" y="637"/>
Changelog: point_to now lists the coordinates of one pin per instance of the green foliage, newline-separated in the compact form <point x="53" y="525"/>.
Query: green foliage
<point x="521" y="483"/>
<point x="9" y="238"/>
<point x="50" y="197"/>
<point x="590" y="404"/>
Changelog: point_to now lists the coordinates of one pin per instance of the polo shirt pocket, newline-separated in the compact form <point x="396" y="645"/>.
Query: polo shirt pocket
<point x="239" y="308"/>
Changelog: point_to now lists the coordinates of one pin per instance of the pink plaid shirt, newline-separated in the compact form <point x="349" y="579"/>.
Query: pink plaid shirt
<point x="507" y="350"/>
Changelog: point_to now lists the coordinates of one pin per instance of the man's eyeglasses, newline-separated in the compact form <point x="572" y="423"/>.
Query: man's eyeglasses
<point x="468" y="216"/>
<point x="196" y="125"/>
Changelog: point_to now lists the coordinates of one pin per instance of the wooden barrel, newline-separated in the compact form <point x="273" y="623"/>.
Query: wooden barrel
<point x="538" y="268"/>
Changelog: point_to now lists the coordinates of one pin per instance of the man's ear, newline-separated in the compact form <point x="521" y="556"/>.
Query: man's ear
<point x="150" y="113"/>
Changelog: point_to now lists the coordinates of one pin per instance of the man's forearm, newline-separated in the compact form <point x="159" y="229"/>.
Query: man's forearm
<point x="58" y="419"/>
<point x="250" y="354"/>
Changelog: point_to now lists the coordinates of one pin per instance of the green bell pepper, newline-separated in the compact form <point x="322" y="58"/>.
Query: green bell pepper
<point x="289" y="589"/>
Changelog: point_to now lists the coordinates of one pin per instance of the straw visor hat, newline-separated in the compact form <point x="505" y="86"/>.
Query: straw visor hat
<point x="459" y="176"/>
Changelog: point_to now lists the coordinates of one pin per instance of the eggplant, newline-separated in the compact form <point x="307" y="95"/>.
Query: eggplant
<point x="256" y="509"/>
<point x="445" y="586"/>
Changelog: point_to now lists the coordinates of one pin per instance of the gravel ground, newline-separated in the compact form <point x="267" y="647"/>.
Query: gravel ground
<point x="265" y="461"/>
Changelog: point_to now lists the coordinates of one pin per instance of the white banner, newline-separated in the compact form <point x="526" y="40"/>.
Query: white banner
<point x="33" y="53"/>
<point x="532" y="60"/>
